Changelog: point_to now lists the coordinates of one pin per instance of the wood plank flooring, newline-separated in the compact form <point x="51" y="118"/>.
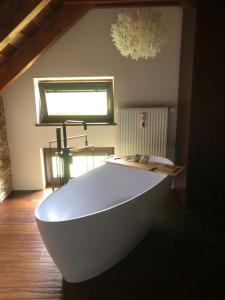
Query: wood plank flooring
<point x="182" y="258"/>
<point x="27" y="271"/>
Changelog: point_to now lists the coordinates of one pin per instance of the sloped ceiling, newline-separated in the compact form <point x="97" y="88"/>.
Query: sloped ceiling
<point x="29" y="27"/>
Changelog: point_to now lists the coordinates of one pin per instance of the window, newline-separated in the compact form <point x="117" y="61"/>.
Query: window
<point x="82" y="162"/>
<point x="86" y="100"/>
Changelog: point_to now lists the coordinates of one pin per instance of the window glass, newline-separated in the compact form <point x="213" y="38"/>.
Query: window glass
<point x="90" y="101"/>
<point x="76" y="103"/>
<point x="81" y="163"/>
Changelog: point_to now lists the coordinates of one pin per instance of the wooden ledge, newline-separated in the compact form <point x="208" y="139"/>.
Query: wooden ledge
<point x="88" y="124"/>
<point x="171" y="170"/>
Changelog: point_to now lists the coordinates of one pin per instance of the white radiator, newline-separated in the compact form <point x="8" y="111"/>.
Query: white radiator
<point x="142" y="131"/>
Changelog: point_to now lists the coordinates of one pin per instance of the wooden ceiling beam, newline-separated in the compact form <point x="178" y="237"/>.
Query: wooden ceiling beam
<point x="116" y="3"/>
<point x="33" y="14"/>
<point x="147" y="4"/>
<point x="3" y="58"/>
<point x="12" y="13"/>
<point x="40" y="41"/>
<point x="111" y="3"/>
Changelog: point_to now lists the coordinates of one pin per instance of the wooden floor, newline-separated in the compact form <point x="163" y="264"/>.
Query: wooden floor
<point x="182" y="258"/>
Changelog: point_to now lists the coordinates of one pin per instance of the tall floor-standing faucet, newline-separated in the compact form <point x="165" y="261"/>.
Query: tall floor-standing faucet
<point x="64" y="152"/>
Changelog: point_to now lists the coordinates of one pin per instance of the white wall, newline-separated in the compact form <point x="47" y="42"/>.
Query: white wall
<point x="87" y="50"/>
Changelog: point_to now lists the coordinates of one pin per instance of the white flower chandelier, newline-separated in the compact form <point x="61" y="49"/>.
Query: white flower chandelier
<point x="139" y="34"/>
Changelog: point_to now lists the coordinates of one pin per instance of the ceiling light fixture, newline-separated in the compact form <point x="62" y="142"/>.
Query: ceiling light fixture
<point x="139" y="34"/>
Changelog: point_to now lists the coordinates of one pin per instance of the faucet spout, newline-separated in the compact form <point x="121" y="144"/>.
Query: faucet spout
<point x="68" y="122"/>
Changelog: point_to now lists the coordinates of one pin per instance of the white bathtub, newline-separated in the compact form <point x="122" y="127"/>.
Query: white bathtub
<point x="95" y="220"/>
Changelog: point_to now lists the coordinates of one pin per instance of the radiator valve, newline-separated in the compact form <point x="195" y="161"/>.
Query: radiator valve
<point x="142" y="119"/>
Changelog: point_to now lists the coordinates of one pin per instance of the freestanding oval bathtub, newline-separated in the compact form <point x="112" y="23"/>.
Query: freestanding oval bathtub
<point x="95" y="220"/>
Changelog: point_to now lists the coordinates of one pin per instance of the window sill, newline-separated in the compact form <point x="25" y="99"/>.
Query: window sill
<point x="88" y="124"/>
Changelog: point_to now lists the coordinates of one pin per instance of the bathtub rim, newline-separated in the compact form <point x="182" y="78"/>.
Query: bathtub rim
<point x="99" y="211"/>
<point x="164" y="177"/>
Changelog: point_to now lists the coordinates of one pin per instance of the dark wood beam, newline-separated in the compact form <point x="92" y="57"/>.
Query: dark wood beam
<point x="40" y="41"/>
<point x="111" y="3"/>
<point x="13" y="12"/>
<point x="116" y="3"/>
<point x="135" y="4"/>
<point x="23" y="24"/>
